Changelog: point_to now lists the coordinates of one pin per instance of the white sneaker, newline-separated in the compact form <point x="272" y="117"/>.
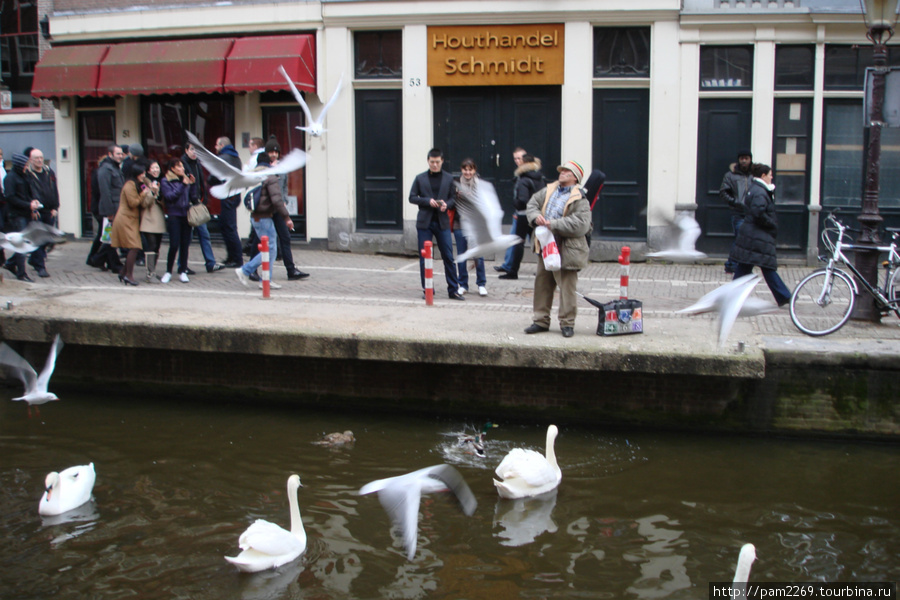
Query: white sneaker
<point x="166" y="278"/>
<point x="272" y="285"/>
<point x="461" y="291"/>
<point x="241" y="277"/>
<point x="183" y="277"/>
<point x="482" y="291"/>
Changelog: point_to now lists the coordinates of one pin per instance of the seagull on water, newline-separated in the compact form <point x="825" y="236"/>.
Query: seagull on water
<point x="731" y="301"/>
<point x="681" y="238"/>
<point x="35" y="385"/>
<point x="482" y="223"/>
<point x="240" y="182"/>
<point x="400" y="497"/>
<point x="35" y="235"/>
<point x="314" y="128"/>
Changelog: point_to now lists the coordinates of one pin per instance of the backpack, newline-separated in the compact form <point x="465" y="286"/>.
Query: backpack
<point x="252" y="198"/>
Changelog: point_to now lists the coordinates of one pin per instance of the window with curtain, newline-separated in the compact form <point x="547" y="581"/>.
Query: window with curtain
<point x="621" y="52"/>
<point x="728" y="67"/>
<point x="378" y="54"/>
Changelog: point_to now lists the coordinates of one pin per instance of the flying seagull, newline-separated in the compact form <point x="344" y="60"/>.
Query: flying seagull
<point x="482" y="223"/>
<point x="240" y="182"/>
<point x="731" y="301"/>
<point x="400" y="497"/>
<point x="35" y="385"/>
<point x="682" y="233"/>
<point x="35" y="235"/>
<point x="313" y="128"/>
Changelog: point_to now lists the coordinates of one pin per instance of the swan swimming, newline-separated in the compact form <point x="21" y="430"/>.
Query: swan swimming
<point x="400" y="497"/>
<point x="35" y="385"/>
<point x="265" y="545"/>
<point x="526" y="473"/>
<point x="67" y="490"/>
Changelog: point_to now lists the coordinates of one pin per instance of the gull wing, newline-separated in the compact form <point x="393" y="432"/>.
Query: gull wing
<point x="295" y="159"/>
<point x="19" y="366"/>
<point x="39" y="233"/>
<point x="331" y="100"/>
<point x="43" y="379"/>
<point x="714" y="299"/>
<point x="732" y="304"/>
<point x="451" y="478"/>
<point x="297" y="95"/>
<point x="689" y="231"/>
<point x="212" y="163"/>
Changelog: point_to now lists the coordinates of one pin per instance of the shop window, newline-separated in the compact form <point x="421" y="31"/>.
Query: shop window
<point x="378" y="54"/>
<point x="19" y="50"/>
<point x="726" y="67"/>
<point x="794" y="67"/>
<point x="621" y="52"/>
<point x="845" y="66"/>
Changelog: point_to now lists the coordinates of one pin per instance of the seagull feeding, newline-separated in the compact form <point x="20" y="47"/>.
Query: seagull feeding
<point x="681" y="238"/>
<point x="314" y="128"/>
<point x="526" y="473"/>
<point x="240" y="182"/>
<point x="482" y="223"/>
<point x="35" y="385"/>
<point x="731" y="301"/>
<point x="265" y="545"/>
<point x="67" y="490"/>
<point x="400" y="497"/>
<point x="35" y="235"/>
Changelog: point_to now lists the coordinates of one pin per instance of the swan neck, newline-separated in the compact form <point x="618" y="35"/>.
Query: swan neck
<point x="296" y="522"/>
<point x="551" y="451"/>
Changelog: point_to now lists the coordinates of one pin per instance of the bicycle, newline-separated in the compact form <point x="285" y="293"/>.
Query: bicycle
<point x="823" y="300"/>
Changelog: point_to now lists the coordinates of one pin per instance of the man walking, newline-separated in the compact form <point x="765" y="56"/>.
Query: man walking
<point x="434" y="193"/>
<point x="562" y="209"/>
<point x="42" y="182"/>
<point x="733" y="191"/>
<point x="229" y="206"/>
<point x="110" y="181"/>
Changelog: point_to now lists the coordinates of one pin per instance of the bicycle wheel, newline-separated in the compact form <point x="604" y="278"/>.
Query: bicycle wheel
<point x="821" y="304"/>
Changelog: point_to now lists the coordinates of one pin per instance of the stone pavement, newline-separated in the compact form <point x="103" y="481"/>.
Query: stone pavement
<point x="377" y="297"/>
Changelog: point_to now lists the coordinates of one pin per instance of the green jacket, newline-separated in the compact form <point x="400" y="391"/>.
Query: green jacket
<point x="569" y="230"/>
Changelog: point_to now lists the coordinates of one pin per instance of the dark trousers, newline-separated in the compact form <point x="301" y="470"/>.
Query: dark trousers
<point x="736" y="221"/>
<point x="523" y="230"/>
<point x="228" y="224"/>
<point x="773" y="280"/>
<point x="16" y="261"/>
<point x="38" y="257"/>
<point x="445" y="245"/>
<point x="179" y="242"/>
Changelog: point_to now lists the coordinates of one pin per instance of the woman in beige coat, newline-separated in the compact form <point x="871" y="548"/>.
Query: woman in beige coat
<point x="153" y="220"/>
<point x="126" y="226"/>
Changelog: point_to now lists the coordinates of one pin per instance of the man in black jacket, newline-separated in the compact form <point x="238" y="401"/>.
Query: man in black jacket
<point x="42" y="182"/>
<point x="529" y="180"/>
<point x="109" y="186"/>
<point x="21" y="208"/>
<point x="733" y="192"/>
<point x="229" y="206"/>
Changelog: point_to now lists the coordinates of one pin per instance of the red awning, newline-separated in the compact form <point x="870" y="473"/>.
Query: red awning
<point x="253" y="63"/>
<point x="68" y="71"/>
<point x="171" y="67"/>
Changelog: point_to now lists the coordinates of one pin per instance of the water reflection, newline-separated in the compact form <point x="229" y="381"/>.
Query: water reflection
<point x="643" y="515"/>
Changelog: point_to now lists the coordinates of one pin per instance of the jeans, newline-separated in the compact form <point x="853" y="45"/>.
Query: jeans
<point x="445" y="245"/>
<point x="462" y="244"/>
<point x="510" y="252"/>
<point x="179" y="241"/>
<point x="736" y="222"/>
<point x="773" y="280"/>
<point x="206" y="246"/>
<point x="228" y="223"/>
<point x="263" y="227"/>
<point x="522" y="229"/>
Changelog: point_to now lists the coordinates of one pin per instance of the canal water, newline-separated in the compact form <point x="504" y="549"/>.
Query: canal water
<point x="638" y="515"/>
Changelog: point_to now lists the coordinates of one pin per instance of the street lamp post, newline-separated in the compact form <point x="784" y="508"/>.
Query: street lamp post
<point x="880" y="16"/>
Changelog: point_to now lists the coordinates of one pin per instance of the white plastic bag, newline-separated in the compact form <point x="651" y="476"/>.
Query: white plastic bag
<point x="549" y="250"/>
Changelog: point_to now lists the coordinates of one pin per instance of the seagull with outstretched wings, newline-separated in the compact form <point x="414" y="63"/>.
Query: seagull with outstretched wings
<point x="482" y="223"/>
<point x="35" y="235"/>
<point x="35" y="385"/>
<point x="682" y="233"/>
<point x="315" y="127"/>
<point x="731" y="301"/>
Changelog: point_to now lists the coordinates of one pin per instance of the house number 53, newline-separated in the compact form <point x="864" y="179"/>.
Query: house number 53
<point x="415" y="82"/>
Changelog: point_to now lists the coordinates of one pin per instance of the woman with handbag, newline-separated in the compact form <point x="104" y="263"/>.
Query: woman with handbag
<point x="126" y="226"/>
<point x="153" y="220"/>
<point x="178" y="194"/>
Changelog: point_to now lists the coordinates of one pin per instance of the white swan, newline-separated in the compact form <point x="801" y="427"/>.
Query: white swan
<point x="400" y="496"/>
<point x="742" y="572"/>
<point x="67" y="490"/>
<point x="266" y="545"/>
<point x="526" y="473"/>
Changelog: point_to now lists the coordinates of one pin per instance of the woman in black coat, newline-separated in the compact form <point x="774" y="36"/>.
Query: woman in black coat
<point x="755" y="243"/>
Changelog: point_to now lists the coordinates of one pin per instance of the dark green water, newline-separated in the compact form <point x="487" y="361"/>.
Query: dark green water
<point x="640" y="515"/>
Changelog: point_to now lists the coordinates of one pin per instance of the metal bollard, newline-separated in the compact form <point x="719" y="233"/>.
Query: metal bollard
<point x="429" y="274"/>
<point x="266" y="271"/>
<point x="625" y="261"/>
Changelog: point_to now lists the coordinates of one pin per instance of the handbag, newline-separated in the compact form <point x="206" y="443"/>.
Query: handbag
<point x="621" y="317"/>
<point x="197" y="215"/>
<point x="549" y="249"/>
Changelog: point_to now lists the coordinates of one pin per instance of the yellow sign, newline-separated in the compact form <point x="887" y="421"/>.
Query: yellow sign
<point x="496" y="55"/>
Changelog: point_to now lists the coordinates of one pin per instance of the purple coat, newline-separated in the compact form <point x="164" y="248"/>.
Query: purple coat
<point x="177" y="196"/>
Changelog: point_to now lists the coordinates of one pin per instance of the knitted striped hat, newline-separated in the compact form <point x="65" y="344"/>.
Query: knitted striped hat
<point x="574" y="167"/>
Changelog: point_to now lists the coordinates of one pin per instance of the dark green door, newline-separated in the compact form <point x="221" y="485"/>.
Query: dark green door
<point x="723" y="131"/>
<point x="792" y="132"/>
<point x="380" y="193"/>
<point x="488" y="123"/>
<point x="620" y="149"/>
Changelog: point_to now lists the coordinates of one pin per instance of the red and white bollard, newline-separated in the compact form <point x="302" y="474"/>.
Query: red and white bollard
<point x="429" y="274"/>
<point x="266" y="270"/>
<point x="625" y="261"/>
